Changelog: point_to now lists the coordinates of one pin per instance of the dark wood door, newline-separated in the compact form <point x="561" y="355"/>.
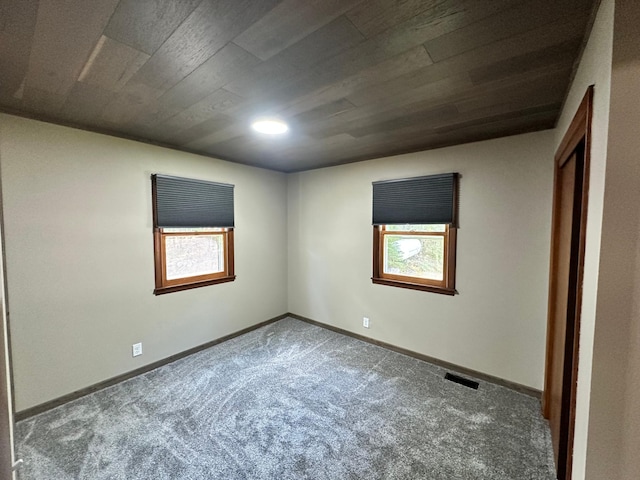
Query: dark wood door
<point x="565" y="285"/>
<point x="562" y="310"/>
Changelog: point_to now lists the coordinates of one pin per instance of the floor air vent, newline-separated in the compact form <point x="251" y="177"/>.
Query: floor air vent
<point x="462" y="381"/>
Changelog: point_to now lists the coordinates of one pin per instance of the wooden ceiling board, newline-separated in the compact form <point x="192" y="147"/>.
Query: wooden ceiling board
<point x="430" y="116"/>
<point x="264" y="78"/>
<point x="412" y="141"/>
<point x="354" y="79"/>
<point x="85" y="103"/>
<point x="228" y="63"/>
<point x="448" y="90"/>
<point x="227" y="132"/>
<point x="40" y="102"/>
<point x="188" y="135"/>
<point x="17" y="26"/>
<point x="249" y="150"/>
<point x="65" y="35"/>
<point x="145" y="25"/>
<point x="539" y="59"/>
<point x="111" y="64"/>
<point x="333" y="38"/>
<point x="209" y="28"/>
<point x="503" y="25"/>
<point x="436" y="21"/>
<point x="514" y="98"/>
<point x="439" y="20"/>
<point x="376" y="16"/>
<point x="511" y="126"/>
<point x="493" y="53"/>
<point x="325" y="111"/>
<point x="289" y="22"/>
<point x="493" y="114"/>
<point x="129" y="103"/>
<point x="507" y="127"/>
<point x="439" y="92"/>
<point x="212" y="105"/>
<point x="409" y="61"/>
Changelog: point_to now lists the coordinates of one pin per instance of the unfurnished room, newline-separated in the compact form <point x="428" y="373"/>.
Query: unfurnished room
<point x="319" y="239"/>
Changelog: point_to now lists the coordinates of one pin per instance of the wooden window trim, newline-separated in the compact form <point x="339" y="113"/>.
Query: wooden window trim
<point x="444" y="287"/>
<point x="168" y="286"/>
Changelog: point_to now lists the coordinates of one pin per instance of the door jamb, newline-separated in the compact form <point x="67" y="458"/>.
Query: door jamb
<point x="579" y="131"/>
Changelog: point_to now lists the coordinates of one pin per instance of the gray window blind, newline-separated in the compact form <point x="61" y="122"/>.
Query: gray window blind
<point x="188" y="203"/>
<point x="418" y="200"/>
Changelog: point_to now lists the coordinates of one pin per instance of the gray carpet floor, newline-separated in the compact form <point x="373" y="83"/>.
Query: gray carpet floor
<point x="290" y="401"/>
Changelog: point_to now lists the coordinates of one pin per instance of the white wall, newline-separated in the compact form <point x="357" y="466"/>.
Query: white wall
<point x="6" y="403"/>
<point x="594" y="69"/>
<point x="497" y="324"/>
<point x="614" y="419"/>
<point x="79" y="245"/>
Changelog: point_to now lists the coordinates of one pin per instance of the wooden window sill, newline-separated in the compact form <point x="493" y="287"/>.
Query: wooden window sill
<point x="189" y="286"/>
<point x="414" y="286"/>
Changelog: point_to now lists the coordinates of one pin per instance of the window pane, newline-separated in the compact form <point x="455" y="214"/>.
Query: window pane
<point x="192" y="255"/>
<point x="188" y="230"/>
<point x="416" y="228"/>
<point x="414" y="256"/>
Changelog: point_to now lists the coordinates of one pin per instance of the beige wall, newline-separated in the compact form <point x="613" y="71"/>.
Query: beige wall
<point x="497" y="323"/>
<point x="614" y="420"/>
<point x="79" y="248"/>
<point x="6" y="402"/>
<point x="594" y="69"/>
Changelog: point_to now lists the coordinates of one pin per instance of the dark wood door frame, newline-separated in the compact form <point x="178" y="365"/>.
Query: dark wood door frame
<point x="577" y="141"/>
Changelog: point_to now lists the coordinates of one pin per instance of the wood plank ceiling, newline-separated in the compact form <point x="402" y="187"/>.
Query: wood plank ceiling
<point x="355" y="79"/>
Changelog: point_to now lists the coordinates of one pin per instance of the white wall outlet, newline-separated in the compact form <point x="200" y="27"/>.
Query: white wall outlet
<point x="365" y="322"/>
<point x="137" y="349"/>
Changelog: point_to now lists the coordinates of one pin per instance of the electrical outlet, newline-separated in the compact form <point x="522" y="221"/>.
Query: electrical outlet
<point x="137" y="349"/>
<point x="365" y="322"/>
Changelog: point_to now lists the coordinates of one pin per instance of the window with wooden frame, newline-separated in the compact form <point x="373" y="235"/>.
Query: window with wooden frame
<point x="193" y="233"/>
<point x="414" y="233"/>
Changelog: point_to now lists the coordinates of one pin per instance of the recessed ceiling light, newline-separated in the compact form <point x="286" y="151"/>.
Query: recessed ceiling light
<point x="270" y="127"/>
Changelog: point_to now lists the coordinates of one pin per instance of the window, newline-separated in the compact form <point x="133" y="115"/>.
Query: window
<point x="415" y="256"/>
<point x="414" y="233"/>
<point x="193" y="257"/>
<point x="193" y="233"/>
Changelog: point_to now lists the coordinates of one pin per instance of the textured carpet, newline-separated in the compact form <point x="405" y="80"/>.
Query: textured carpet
<point x="290" y="401"/>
